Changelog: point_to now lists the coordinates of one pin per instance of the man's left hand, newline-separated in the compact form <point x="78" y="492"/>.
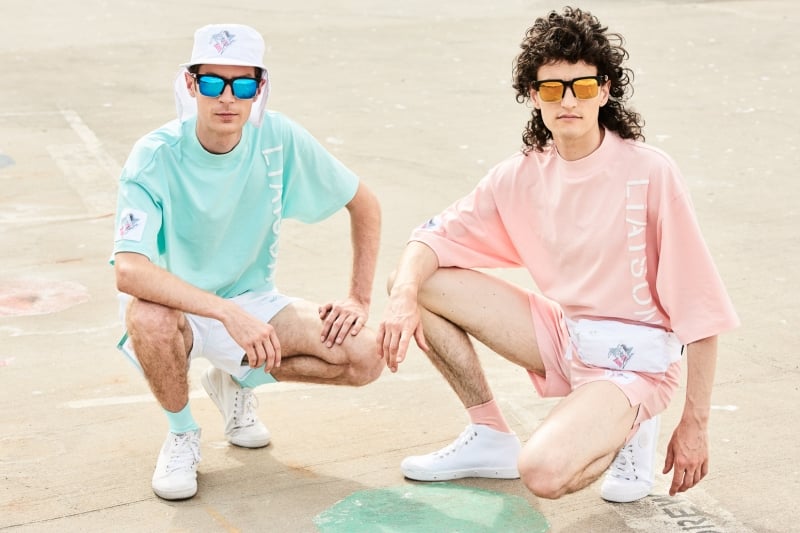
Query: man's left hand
<point x="340" y="319"/>
<point x="687" y="454"/>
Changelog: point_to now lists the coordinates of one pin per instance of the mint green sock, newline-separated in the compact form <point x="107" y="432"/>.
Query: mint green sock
<point x="255" y="377"/>
<point x="182" y="421"/>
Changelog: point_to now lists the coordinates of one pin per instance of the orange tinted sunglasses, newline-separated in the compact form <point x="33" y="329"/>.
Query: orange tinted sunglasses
<point x="584" y="88"/>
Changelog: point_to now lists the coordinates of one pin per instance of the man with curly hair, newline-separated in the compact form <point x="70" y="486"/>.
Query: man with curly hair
<point x="605" y="226"/>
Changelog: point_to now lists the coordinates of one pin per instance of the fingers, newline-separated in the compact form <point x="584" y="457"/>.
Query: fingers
<point x="685" y="478"/>
<point x="687" y="456"/>
<point x="677" y="481"/>
<point x="379" y="338"/>
<point x="327" y="321"/>
<point x="273" y="351"/>
<point x="324" y="310"/>
<point x="669" y="461"/>
<point x="338" y="322"/>
<point x="335" y="330"/>
<point x="402" y="348"/>
<point x="266" y="352"/>
<point x="682" y="481"/>
<point x="419" y="336"/>
<point x="357" y="325"/>
<point x="384" y="344"/>
<point x="393" y="346"/>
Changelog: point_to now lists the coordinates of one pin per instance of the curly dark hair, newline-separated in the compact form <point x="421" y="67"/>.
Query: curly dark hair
<point x="572" y="36"/>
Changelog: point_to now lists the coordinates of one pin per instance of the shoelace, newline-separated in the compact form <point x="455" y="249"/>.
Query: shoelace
<point x="244" y="408"/>
<point x="623" y="466"/>
<point x="466" y="436"/>
<point x="184" y="452"/>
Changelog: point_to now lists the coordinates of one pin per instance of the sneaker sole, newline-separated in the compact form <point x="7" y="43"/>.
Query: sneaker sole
<point x="252" y="444"/>
<point x="612" y="497"/>
<point x="184" y="494"/>
<point x="493" y="473"/>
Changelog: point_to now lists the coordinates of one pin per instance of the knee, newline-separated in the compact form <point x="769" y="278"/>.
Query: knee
<point x="543" y="477"/>
<point x="152" y="321"/>
<point x="362" y="366"/>
<point x="364" y="371"/>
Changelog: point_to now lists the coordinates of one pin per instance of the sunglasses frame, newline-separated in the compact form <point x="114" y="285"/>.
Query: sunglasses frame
<point x="225" y="83"/>
<point x="600" y="79"/>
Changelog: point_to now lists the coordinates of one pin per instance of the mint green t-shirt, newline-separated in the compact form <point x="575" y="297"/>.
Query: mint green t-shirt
<point x="214" y="220"/>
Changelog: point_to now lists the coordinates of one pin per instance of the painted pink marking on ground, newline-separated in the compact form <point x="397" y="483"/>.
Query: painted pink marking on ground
<point x="35" y="296"/>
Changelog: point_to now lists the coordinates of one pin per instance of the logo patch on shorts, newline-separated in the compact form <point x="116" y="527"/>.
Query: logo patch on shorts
<point x="131" y="225"/>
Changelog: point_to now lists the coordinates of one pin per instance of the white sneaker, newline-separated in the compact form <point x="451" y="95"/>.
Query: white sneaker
<point x="630" y="477"/>
<point x="175" y="477"/>
<point x="238" y="407"/>
<point x="479" y="451"/>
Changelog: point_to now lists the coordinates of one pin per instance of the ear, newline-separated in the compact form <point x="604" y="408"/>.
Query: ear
<point x="534" y="95"/>
<point x="189" y="84"/>
<point x="605" y="91"/>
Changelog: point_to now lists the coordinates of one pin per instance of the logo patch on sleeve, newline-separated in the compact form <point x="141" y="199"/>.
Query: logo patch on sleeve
<point x="131" y="225"/>
<point x="433" y="223"/>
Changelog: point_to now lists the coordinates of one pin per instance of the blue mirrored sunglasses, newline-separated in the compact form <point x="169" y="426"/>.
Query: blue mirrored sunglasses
<point x="212" y="86"/>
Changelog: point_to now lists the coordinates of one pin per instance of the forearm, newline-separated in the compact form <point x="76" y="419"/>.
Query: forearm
<point x="702" y="362"/>
<point x="137" y="276"/>
<point x="365" y="231"/>
<point x="417" y="264"/>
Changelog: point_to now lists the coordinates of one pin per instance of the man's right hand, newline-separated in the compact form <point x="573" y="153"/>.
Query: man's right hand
<point x="400" y="324"/>
<point x="401" y="319"/>
<point x="257" y="338"/>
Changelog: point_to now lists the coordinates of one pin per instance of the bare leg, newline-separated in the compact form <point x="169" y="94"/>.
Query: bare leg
<point x="457" y="302"/>
<point x="577" y="440"/>
<point x="162" y="340"/>
<point x="454" y="356"/>
<point x="306" y="359"/>
<point x="454" y="305"/>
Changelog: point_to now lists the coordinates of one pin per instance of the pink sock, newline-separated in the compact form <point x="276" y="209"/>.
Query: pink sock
<point x="489" y="414"/>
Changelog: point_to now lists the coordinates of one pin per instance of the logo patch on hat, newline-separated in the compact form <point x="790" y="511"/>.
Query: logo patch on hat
<point x="222" y="40"/>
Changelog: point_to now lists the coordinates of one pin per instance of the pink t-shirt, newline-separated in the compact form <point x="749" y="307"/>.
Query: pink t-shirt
<point x="610" y="236"/>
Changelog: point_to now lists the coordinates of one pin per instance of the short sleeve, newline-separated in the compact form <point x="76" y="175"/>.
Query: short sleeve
<point x="470" y="233"/>
<point x="316" y="184"/>
<point x="688" y="284"/>
<point x="139" y="219"/>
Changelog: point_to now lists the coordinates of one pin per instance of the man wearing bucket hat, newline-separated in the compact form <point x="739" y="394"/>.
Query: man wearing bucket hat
<point x="199" y="213"/>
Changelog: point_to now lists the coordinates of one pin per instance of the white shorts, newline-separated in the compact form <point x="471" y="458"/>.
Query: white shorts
<point x="211" y="339"/>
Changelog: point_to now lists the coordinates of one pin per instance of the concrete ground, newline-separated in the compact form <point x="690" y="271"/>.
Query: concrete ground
<point x="415" y="96"/>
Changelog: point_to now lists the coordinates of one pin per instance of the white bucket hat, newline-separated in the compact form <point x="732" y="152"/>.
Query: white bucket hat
<point x="224" y="44"/>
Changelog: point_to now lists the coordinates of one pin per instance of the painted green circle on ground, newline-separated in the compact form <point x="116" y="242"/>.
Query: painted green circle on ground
<point x="434" y="507"/>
